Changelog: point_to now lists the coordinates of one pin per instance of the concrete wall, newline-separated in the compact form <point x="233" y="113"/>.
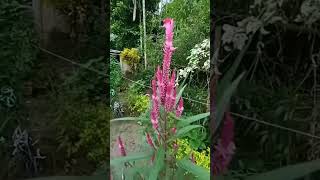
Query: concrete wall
<point x="48" y="20"/>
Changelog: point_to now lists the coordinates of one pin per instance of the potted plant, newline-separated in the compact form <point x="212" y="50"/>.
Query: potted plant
<point x="129" y="58"/>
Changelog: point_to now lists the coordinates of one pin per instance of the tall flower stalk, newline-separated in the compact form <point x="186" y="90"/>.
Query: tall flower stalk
<point x="166" y="110"/>
<point x="164" y="90"/>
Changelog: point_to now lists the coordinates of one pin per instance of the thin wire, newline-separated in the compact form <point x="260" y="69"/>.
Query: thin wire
<point x="100" y="73"/>
<point x="73" y="62"/>
<point x="189" y="99"/>
<point x="276" y="126"/>
<point x="192" y="100"/>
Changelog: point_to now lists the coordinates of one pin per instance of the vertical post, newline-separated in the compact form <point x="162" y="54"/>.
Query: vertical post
<point x="134" y="9"/>
<point x="141" y="32"/>
<point x="144" y="33"/>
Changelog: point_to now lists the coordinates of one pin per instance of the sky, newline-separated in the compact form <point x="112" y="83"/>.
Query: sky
<point x="163" y="2"/>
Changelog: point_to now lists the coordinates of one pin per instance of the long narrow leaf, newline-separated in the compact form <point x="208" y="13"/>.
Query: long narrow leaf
<point x="225" y="99"/>
<point x="223" y="83"/>
<point x="291" y="172"/>
<point x="159" y="164"/>
<point x="200" y="172"/>
<point x="134" y="157"/>
<point x="189" y="120"/>
<point x="100" y="177"/>
<point x="182" y="132"/>
<point x="129" y="119"/>
<point x="179" y="95"/>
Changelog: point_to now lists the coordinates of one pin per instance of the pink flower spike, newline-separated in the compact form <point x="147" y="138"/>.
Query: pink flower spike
<point x="154" y="120"/>
<point x="155" y="99"/>
<point x="160" y="84"/>
<point x="168" y="97"/>
<point x="179" y="108"/>
<point x="223" y="157"/>
<point x="173" y="98"/>
<point x="167" y="50"/>
<point x="149" y="140"/>
<point x="227" y="133"/>
<point x="174" y="130"/>
<point x="173" y="77"/>
<point x="168" y="25"/>
<point x="121" y="147"/>
<point x="225" y="148"/>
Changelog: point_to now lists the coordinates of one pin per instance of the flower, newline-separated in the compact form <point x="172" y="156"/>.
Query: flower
<point x="225" y="148"/>
<point x="174" y="130"/>
<point x="149" y="140"/>
<point x="168" y="48"/>
<point x="170" y="92"/>
<point x="168" y="25"/>
<point x="121" y="147"/>
<point x="179" y="108"/>
<point x="163" y="85"/>
<point x="223" y="156"/>
<point x="175" y="146"/>
<point x="227" y="130"/>
<point x="154" y="120"/>
<point x="199" y="54"/>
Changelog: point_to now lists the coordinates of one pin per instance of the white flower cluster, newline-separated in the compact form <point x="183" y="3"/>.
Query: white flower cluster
<point x="199" y="54"/>
<point x="113" y="37"/>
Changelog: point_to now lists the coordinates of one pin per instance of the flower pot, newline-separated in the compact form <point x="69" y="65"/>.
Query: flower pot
<point x="125" y="67"/>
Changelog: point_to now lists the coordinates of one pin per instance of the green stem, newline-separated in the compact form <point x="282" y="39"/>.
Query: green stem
<point x="165" y="141"/>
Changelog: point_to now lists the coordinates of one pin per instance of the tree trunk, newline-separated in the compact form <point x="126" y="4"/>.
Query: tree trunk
<point x="144" y="33"/>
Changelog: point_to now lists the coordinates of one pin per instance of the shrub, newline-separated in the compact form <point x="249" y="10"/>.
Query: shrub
<point x="130" y="56"/>
<point x="140" y="104"/>
<point x="201" y="158"/>
<point x="137" y="103"/>
<point x="115" y="75"/>
<point x="84" y="129"/>
<point x="86" y="85"/>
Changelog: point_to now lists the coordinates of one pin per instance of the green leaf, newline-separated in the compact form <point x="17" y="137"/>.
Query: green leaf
<point x="189" y="120"/>
<point x="182" y="132"/>
<point x="100" y="177"/>
<point x="129" y="119"/>
<point x="3" y="125"/>
<point x="130" y="173"/>
<point x="159" y="164"/>
<point x="225" y="99"/>
<point x="291" y="172"/>
<point x="133" y="157"/>
<point x="179" y="95"/>
<point x="179" y="173"/>
<point x="200" y="172"/>
<point x="223" y="178"/>
<point x="101" y="169"/>
<point x="227" y="78"/>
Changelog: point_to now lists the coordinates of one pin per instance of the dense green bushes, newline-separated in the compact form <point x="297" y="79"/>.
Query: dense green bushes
<point x="83" y="116"/>
<point x="17" y="52"/>
<point x="84" y="129"/>
<point x="191" y="27"/>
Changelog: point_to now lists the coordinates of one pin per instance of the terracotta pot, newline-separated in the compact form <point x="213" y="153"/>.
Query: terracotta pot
<point x="125" y="67"/>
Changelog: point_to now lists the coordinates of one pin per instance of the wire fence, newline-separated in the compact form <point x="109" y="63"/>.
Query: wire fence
<point x="189" y="99"/>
